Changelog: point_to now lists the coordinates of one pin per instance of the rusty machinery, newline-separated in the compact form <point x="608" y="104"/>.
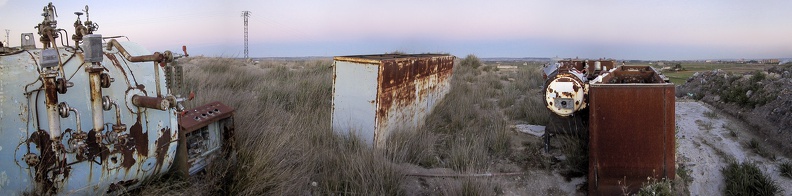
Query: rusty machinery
<point x="627" y="114"/>
<point x="137" y="127"/>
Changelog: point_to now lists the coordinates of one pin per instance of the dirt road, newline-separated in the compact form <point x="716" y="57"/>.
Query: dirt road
<point x="707" y="140"/>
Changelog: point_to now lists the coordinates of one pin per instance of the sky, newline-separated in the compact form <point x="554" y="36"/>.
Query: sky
<point x="646" y="30"/>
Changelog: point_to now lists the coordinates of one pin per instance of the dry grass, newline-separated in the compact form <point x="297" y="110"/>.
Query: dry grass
<point x="285" y="145"/>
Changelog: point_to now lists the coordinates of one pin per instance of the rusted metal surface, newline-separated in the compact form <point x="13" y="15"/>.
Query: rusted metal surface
<point x="158" y="103"/>
<point x="205" y="129"/>
<point x="156" y="56"/>
<point x="631" y="129"/>
<point x="374" y="95"/>
<point x="43" y="149"/>
<point x="566" y="93"/>
<point x="202" y="116"/>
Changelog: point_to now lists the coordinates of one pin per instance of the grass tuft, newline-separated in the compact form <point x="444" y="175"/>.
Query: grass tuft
<point x="759" y="150"/>
<point x="785" y="169"/>
<point x="747" y="179"/>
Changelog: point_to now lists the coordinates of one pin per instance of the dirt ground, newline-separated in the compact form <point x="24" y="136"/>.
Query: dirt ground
<point x="705" y="144"/>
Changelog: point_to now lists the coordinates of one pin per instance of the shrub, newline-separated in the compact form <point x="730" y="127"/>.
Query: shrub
<point x="471" y="61"/>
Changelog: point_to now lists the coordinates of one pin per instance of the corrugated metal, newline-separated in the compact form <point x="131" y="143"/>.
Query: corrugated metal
<point x="374" y="95"/>
<point x="631" y="129"/>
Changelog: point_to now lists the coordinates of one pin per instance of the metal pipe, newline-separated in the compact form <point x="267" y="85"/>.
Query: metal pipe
<point x="157" y="79"/>
<point x="96" y="95"/>
<point x="157" y="57"/>
<point x="151" y="102"/>
<point x="51" y="101"/>
<point x="77" y="117"/>
<point x="108" y="104"/>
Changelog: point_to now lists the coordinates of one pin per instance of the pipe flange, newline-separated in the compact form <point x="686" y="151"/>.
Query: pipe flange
<point x="61" y="85"/>
<point x="63" y="110"/>
<point x="107" y="103"/>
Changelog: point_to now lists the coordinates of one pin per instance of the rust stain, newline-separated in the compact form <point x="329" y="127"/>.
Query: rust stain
<point x="118" y="66"/>
<point x="204" y="115"/>
<point x="50" y="93"/>
<point x="162" y="144"/>
<point x="94" y="147"/>
<point x="140" y="138"/>
<point x="402" y="81"/>
<point x="47" y="160"/>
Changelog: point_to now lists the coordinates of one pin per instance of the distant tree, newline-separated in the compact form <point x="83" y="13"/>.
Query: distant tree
<point x="678" y="67"/>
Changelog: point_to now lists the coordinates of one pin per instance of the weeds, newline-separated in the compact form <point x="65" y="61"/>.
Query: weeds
<point x="711" y="114"/>
<point x="656" y="187"/>
<point x="747" y="179"/>
<point x="759" y="150"/>
<point x="704" y="125"/>
<point x="683" y="172"/>
<point x="575" y="148"/>
<point x="731" y="128"/>
<point x="785" y="169"/>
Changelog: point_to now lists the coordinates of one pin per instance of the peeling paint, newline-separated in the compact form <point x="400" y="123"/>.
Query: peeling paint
<point x="396" y="94"/>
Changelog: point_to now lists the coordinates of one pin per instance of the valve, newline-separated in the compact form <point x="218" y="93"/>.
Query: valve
<point x="105" y="80"/>
<point x="90" y="25"/>
<point x="77" y="143"/>
<point x="117" y="135"/>
<point x="62" y="85"/>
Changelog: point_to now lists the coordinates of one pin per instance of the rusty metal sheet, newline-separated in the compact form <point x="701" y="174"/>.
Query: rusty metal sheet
<point x="374" y="95"/>
<point x="631" y="130"/>
<point x="201" y="116"/>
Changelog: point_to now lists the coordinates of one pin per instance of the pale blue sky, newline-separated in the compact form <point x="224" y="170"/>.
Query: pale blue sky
<point x="651" y="30"/>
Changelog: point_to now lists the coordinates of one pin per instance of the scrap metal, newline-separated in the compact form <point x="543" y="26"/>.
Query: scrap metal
<point x="49" y="147"/>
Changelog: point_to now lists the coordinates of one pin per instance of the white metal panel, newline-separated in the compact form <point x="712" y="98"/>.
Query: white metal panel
<point x="354" y="99"/>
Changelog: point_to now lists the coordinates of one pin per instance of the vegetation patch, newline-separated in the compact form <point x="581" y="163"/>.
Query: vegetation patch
<point x="655" y="187"/>
<point x="759" y="150"/>
<point x="747" y="179"/>
<point x="286" y="146"/>
<point x="785" y="169"/>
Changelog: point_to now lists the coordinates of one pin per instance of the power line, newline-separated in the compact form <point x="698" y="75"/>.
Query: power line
<point x="246" y="15"/>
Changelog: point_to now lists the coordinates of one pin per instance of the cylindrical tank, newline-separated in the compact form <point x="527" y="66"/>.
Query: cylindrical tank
<point x="565" y="92"/>
<point x="31" y="161"/>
